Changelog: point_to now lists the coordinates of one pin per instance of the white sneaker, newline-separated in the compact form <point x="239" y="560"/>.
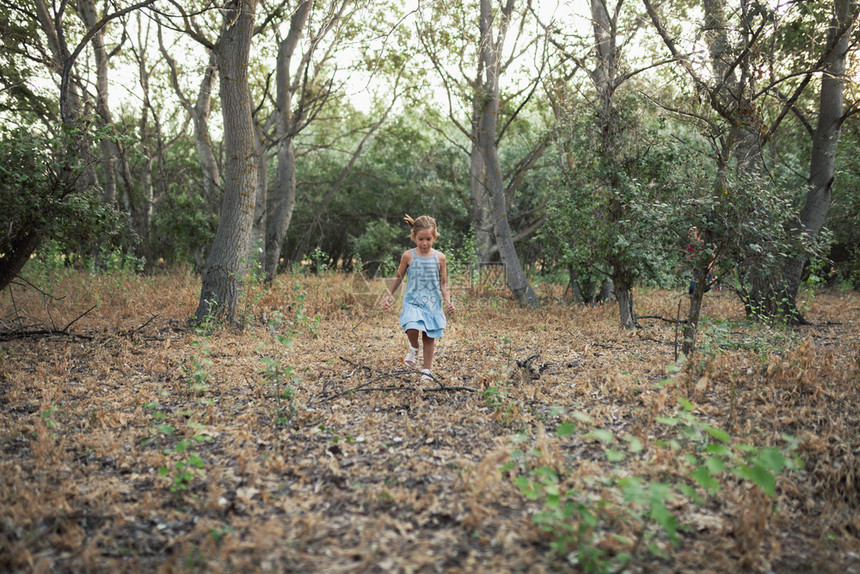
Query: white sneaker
<point x="409" y="359"/>
<point x="426" y="376"/>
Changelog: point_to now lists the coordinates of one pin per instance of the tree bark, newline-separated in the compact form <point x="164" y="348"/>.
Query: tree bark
<point x="482" y="204"/>
<point x="822" y="165"/>
<point x="227" y="261"/>
<point x="488" y="124"/>
<point x="200" y="110"/>
<point x="284" y="194"/>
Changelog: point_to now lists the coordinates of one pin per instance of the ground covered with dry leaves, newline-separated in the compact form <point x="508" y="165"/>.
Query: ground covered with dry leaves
<point x="551" y="441"/>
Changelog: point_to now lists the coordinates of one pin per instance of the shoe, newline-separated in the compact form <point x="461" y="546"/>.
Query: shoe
<point x="409" y="359"/>
<point x="426" y="376"/>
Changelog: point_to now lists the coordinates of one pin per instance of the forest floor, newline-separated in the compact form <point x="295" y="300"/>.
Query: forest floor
<point x="552" y="440"/>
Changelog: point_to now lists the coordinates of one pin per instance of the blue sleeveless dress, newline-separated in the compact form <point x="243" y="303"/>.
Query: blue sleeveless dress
<point x="422" y="297"/>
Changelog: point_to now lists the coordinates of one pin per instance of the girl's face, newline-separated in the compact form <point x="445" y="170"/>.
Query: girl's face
<point x="424" y="239"/>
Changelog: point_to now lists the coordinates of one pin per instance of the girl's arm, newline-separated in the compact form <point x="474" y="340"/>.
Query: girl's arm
<point x="388" y="298"/>
<point x="443" y="283"/>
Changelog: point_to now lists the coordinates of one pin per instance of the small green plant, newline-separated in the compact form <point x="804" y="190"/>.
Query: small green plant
<point x="197" y="369"/>
<point x="282" y="380"/>
<point x="300" y="319"/>
<point x="182" y="471"/>
<point x="319" y="261"/>
<point x="574" y="519"/>
<point x="47" y="417"/>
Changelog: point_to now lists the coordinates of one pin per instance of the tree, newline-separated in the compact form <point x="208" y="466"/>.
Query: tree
<point x="825" y="140"/>
<point x="477" y="92"/>
<point x="45" y="31"/>
<point x="226" y="264"/>
<point x="729" y="103"/>
<point x="487" y="121"/>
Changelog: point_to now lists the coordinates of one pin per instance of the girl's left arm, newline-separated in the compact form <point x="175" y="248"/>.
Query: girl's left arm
<point x="443" y="283"/>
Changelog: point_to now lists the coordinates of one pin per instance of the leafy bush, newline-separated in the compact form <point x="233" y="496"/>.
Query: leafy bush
<point x="379" y="247"/>
<point x="577" y="521"/>
<point x="36" y="204"/>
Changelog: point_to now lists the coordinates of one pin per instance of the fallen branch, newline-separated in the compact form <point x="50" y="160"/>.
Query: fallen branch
<point x="151" y="319"/>
<point x="79" y="317"/>
<point x="669" y="320"/>
<point x="12" y="335"/>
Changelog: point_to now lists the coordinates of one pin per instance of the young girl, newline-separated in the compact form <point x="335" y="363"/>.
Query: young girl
<point x="426" y="289"/>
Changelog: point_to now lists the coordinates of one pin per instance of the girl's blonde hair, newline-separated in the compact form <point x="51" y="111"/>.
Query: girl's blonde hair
<point x="421" y="223"/>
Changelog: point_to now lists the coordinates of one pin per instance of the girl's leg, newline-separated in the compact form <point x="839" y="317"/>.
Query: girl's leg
<point x="429" y="347"/>
<point x="412" y="335"/>
<point x="409" y="359"/>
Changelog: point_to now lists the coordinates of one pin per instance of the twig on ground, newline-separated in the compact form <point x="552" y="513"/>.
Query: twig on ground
<point x="151" y="319"/>
<point x="670" y="320"/>
<point x="79" y="317"/>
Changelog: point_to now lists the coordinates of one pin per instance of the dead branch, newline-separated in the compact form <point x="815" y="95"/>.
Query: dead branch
<point x="79" y="317"/>
<point x="13" y="335"/>
<point x="660" y="317"/>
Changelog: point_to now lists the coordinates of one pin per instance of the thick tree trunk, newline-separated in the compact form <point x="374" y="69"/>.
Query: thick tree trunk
<point x="283" y="199"/>
<point x="822" y="164"/>
<point x="488" y="124"/>
<point x="17" y="255"/>
<point x="227" y="261"/>
<point x="624" y="297"/>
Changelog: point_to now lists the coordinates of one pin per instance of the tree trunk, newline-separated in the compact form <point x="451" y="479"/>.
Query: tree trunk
<point x="199" y="111"/>
<point x="258" y="228"/>
<point x="488" y="124"/>
<point x="284" y="195"/>
<point x="227" y="261"/>
<point x="822" y="165"/>
<point x="482" y="205"/>
<point x="688" y="346"/>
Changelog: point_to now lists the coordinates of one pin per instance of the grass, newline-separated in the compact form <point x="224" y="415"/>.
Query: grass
<point x="149" y="444"/>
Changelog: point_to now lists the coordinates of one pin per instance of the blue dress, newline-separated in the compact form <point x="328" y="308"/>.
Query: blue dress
<point x="422" y="297"/>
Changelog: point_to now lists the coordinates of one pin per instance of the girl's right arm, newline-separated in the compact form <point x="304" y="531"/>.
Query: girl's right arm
<point x="388" y="298"/>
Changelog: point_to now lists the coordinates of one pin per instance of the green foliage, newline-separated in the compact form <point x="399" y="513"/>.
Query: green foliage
<point x="35" y="202"/>
<point x="181" y="226"/>
<point x="188" y="464"/>
<point x="378" y="247"/>
<point x="614" y="212"/>
<point x="576" y="520"/>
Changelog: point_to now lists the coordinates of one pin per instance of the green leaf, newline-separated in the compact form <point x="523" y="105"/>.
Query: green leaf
<point x="670" y="421"/>
<point x="690" y="493"/>
<point x="166" y="429"/>
<point x="603" y="435"/>
<point x="634" y="443"/>
<point x="687" y="405"/>
<point x="196" y="461"/>
<point x="758" y="475"/>
<point x="717" y="449"/>
<point x="613" y="455"/>
<point x="772" y="459"/>
<point x="718" y="433"/>
<point x="702" y="475"/>
<point x="715" y="465"/>
<point x="565" y="429"/>
<point x="664" y="518"/>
